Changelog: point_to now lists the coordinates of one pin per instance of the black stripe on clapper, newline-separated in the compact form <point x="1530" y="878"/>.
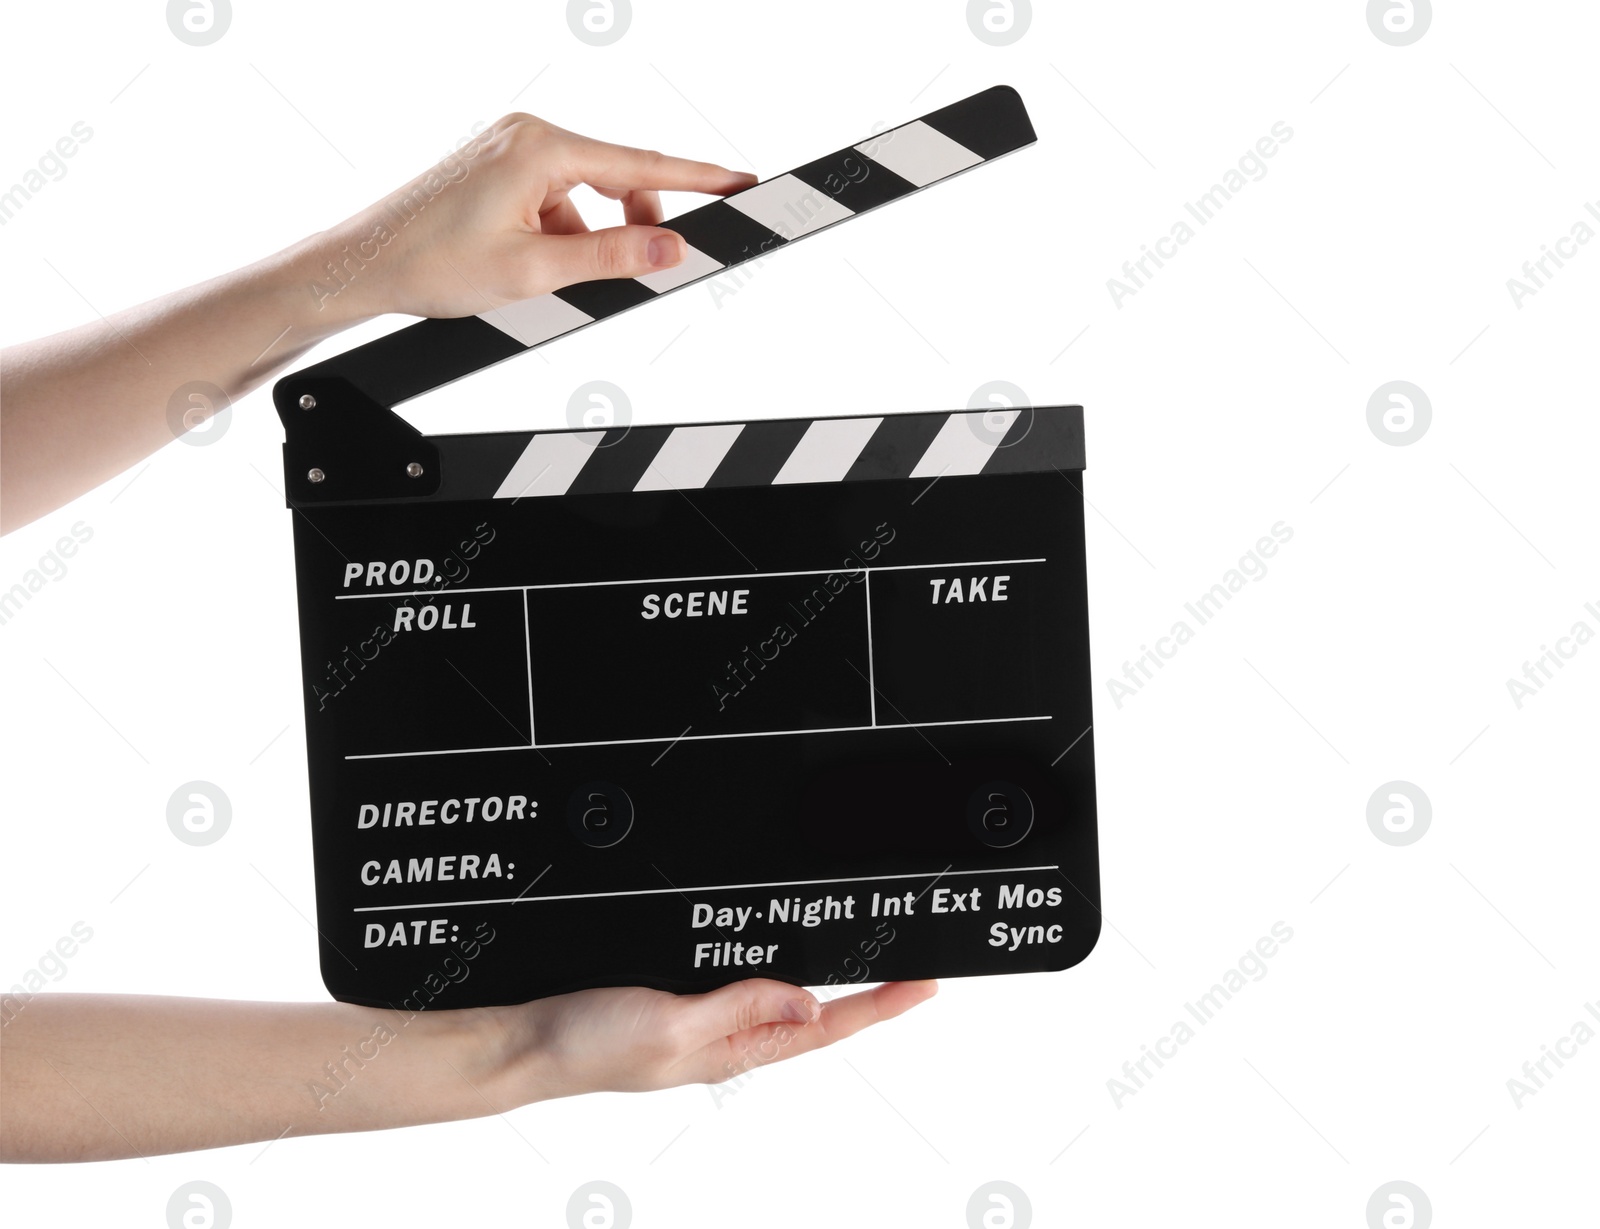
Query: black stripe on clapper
<point x="619" y="460"/>
<point x="896" y="446"/>
<point x="391" y="368"/>
<point x="474" y="466"/>
<point x="724" y="234"/>
<point x="1051" y="438"/>
<point x="854" y="181"/>
<point x="606" y="296"/>
<point x="759" y="453"/>
<point x="990" y="123"/>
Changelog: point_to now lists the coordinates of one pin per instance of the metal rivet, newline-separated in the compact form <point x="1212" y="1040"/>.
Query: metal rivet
<point x="307" y="402"/>
<point x="414" y="470"/>
<point x="315" y="475"/>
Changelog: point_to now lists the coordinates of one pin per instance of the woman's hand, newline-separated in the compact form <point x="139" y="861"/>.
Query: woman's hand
<point x="635" y="1040"/>
<point x="494" y="223"/>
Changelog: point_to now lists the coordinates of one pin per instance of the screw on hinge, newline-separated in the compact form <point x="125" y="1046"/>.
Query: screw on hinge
<point x="307" y="402"/>
<point x="414" y="470"/>
<point x="315" y="475"/>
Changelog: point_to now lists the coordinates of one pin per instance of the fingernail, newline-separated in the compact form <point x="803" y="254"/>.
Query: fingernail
<point x="666" y="251"/>
<point x="801" y="1011"/>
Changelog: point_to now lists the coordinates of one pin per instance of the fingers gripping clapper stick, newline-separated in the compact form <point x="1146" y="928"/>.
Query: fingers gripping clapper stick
<point x="674" y="706"/>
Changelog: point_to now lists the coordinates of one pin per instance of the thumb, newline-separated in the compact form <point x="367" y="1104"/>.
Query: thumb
<point x="616" y="251"/>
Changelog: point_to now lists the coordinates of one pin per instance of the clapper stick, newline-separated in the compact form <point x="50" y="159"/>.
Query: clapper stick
<point x="675" y="705"/>
<point x="721" y="235"/>
<point x="745" y="226"/>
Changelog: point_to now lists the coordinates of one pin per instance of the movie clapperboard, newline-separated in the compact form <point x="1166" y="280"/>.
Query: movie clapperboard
<point x="675" y="706"/>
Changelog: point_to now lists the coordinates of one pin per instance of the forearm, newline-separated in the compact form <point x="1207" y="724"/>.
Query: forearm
<point x="80" y="407"/>
<point x="99" y="1077"/>
<point x="491" y="224"/>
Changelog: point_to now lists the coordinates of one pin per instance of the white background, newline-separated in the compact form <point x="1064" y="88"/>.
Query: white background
<point x="1228" y="394"/>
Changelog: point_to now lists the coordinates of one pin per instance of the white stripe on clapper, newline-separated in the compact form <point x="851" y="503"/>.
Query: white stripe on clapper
<point x="919" y="154"/>
<point x="695" y="264"/>
<point x="549" y="464"/>
<point x="536" y="320"/>
<point x="827" y="450"/>
<point x="965" y="443"/>
<point x="689" y="457"/>
<point x="789" y="206"/>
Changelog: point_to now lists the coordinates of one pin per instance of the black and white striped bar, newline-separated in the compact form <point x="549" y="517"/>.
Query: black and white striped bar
<point x="886" y="167"/>
<point x="518" y="465"/>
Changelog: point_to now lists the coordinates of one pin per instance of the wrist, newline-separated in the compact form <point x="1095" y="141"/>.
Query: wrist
<point x="452" y="1065"/>
<point x="517" y="1058"/>
<point x="331" y="280"/>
